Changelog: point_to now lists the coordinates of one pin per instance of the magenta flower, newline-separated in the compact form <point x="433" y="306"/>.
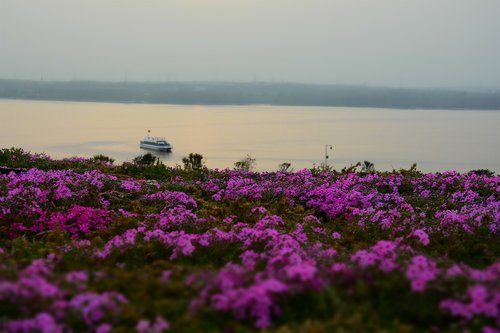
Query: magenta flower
<point x="421" y="271"/>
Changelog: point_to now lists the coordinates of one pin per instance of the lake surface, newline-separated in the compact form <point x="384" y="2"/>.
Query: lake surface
<point x="436" y="140"/>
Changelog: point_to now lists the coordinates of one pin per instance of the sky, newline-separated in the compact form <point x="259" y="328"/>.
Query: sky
<point x="397" y="43"/>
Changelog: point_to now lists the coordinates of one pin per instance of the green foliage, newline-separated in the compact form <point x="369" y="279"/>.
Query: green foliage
<point x="351" y="169"/>
<point x="193" y="161"/>
<point x="157" y="171"/>
<point x="147" y="159"/>
<point x="411" y="172"/>
<point x="245" y="164"/>
<point x="285" y="167"/>
<point x="483" y="172"/>
<point x="147" y="166"/>
<point x="322" y="168"/>
<point x="99" y="159"/>
<point x="367" y="167"/>
<point x="18" y="158"/>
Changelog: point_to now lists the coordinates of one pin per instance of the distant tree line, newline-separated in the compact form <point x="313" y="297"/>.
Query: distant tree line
<point x="212" y="93"/>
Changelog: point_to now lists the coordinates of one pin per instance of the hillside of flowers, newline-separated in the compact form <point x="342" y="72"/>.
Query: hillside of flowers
<point x="88" y="246"/>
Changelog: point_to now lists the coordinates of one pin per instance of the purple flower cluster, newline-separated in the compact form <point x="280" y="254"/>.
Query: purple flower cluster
<point x="280" y="234"/>
<point x="478" y="301"/>
<point x="421" y="271"/>
<point x="59" y="300"/>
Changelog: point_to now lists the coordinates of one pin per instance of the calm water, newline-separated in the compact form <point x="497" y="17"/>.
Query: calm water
<point x="436" y="140"/>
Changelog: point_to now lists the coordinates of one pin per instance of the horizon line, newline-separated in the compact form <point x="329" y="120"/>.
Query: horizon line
<point x="291" y="83"/>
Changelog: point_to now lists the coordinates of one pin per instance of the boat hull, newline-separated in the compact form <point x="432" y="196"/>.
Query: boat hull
<point x="155" y="147"/>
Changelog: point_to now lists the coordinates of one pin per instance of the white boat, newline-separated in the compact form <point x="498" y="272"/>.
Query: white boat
<point x="155" y="143"/>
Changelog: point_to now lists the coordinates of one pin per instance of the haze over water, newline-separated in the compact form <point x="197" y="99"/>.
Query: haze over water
<point x="436" y="140"/>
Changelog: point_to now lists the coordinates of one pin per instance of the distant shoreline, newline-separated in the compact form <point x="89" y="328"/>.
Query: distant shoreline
<point x="239" y="94"/>
<point x="253" y="104"/>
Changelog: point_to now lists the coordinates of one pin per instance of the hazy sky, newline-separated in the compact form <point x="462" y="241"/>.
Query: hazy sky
<point x="421" y="43"/>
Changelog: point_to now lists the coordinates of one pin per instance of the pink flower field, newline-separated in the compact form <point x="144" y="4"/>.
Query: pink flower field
<point x="86" y="246"/>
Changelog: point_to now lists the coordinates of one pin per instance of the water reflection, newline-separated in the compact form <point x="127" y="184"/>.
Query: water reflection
<point x="162" y="155"/>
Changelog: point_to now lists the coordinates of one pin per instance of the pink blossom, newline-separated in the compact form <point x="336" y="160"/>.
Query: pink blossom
<point x="421" y="271"/>
<point x="336" y="235"/>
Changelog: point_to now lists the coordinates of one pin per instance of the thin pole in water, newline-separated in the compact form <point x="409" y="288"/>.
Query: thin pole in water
<point x="326" y="153"/>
